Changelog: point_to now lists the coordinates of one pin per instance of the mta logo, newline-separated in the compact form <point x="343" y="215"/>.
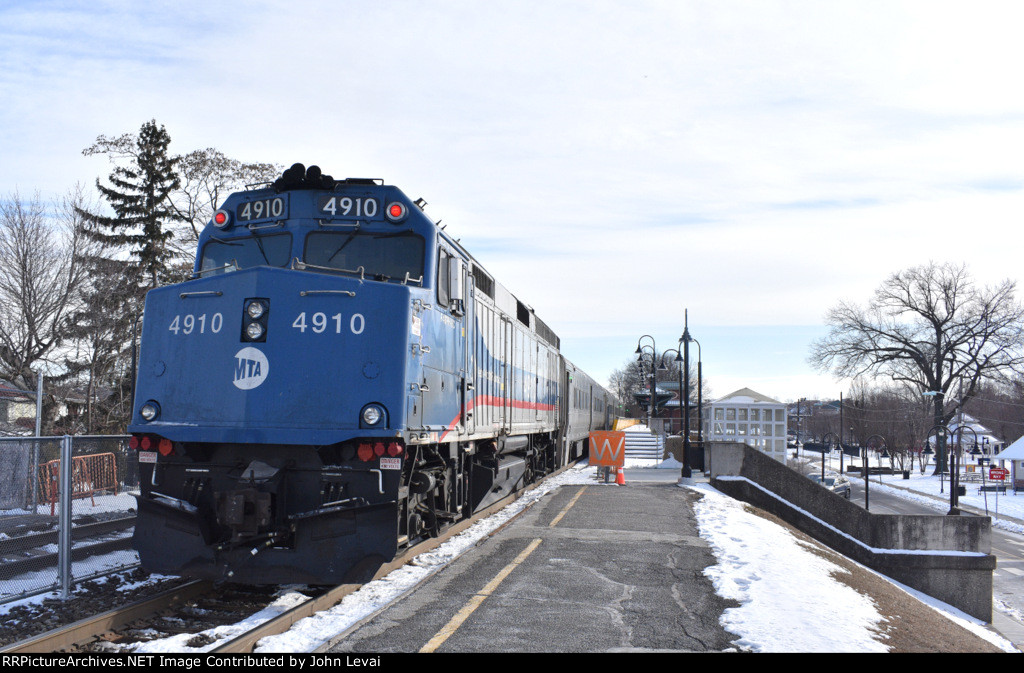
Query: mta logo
<point x="251" y="368"/>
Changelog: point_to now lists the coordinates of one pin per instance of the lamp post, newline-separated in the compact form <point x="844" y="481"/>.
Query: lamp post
<point x="700" y="404"/>
<point x="685" y="340"/>
<point x="826" y="443"/>
<point x="864" y="451"/>
<point x="662" y="367"/>
<point x="940" y="442"/>
<point x="640" y="359"/>
<point x="954" y="454"/>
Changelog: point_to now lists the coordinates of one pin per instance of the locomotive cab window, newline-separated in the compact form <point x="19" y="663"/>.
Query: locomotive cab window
<point x="450" y="270"/>
<point x="443" y="279"/>
<point x="223" y="255"/>
<point x="377" y="256"/>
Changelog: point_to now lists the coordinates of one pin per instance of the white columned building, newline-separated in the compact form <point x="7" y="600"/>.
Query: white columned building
<point x="750" y="417"/>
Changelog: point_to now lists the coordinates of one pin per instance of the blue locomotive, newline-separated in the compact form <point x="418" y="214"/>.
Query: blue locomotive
<point x="339" y="379"/>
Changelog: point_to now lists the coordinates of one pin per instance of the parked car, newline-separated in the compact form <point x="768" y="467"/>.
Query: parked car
<point x="837" y="483"/>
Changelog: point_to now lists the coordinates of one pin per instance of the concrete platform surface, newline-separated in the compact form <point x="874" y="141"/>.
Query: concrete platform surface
<point x="590" y="569"/>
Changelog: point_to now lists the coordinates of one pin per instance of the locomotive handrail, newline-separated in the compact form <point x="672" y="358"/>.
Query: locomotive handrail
<point x="306" y="293"/>
<point x="339" y="225"/>
<point x="207" y="293"/>
<point x="298" y="264"/>
<point x="254" y="227"/>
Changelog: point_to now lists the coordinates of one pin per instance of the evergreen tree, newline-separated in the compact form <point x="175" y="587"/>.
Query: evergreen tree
<point x="141" y="186"/>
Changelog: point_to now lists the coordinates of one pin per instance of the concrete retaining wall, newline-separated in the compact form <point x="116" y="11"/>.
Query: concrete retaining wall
<point x="947" y="557"/>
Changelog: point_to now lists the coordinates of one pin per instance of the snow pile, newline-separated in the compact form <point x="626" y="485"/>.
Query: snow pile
<point x="787" y="592"/>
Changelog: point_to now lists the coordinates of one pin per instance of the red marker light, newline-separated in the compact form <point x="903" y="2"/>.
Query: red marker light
<point x="394" y="449"/>
<point x="378" y="449"/>
<point x="133" y="443"/>
<point x="145" y="443"/>
<point x="396" y="211"/>
<point x="365" y="452"/>
<point x="166" y="448"/>
<point x="221" y="219"/>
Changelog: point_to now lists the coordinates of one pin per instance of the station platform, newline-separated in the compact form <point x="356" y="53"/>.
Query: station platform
<point x="594" y="568"/>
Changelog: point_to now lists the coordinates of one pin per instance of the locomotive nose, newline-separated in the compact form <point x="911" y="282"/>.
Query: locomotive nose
<point x="284" y="356"/>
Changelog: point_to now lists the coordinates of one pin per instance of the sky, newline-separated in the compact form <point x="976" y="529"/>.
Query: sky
<point x="616" y="165"/>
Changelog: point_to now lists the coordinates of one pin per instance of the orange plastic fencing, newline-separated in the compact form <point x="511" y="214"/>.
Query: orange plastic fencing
<point x="96" y="473"/>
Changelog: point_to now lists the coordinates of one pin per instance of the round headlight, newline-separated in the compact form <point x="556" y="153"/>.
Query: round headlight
<point x="149" y="411"/>
<point x="372" y="415"/>
<point x="255" y="309"/>
<point x="254" y="330"/>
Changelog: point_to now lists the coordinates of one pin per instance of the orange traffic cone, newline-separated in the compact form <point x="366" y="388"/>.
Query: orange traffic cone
<point x="620" y="477"/>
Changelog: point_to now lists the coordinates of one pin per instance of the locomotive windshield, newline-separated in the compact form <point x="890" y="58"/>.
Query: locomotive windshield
<point x="222" y="255"/>
<point x="392" y="256"/>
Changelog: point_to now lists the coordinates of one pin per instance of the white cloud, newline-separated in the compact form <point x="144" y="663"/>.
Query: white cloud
<point x="753" y="161"/>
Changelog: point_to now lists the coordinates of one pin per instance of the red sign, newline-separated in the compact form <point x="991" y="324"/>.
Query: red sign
<point x="997" y="473"/>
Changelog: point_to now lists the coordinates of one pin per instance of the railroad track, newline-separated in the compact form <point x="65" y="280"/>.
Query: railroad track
<point x="17" y="553"/>
<point x="84" y="634"/>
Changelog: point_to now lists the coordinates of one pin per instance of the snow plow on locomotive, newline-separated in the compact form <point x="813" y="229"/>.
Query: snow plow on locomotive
<point x="339" y="379"/>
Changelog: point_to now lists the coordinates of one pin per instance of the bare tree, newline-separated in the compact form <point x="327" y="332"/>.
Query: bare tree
<point x="207" y="177"/>
<point x="931" y="328"/>
<point x="41" y="279"/>
<point x="635" y="377"/>
<point x="1000" y="408"/>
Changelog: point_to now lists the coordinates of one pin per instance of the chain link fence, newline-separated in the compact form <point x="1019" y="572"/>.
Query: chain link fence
<point x="67" y="511"/>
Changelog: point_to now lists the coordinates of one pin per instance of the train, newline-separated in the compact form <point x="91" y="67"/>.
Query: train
<point x="338" y="379"/>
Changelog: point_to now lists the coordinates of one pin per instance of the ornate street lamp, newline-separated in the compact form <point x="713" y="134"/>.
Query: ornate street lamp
<point x="663" y="367"/>
<point x="685" y="340"/>
<point x="826" y="446"/>
<point x="640" y="359"/>
<point x="864" y="452"/>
